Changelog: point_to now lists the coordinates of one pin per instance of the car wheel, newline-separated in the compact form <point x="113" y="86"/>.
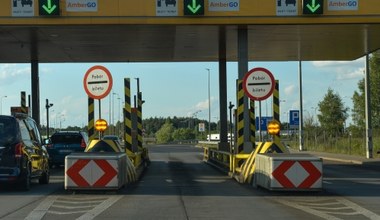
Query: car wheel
<point x="45" y="177"/>
<point x="26" y="180"/>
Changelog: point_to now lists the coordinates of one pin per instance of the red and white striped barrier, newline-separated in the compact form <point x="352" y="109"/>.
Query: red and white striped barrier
<point x="301" y="172"/>
<point x="95" y="171"/>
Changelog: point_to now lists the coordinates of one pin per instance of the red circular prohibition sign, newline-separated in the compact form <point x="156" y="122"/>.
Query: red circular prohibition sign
<point x="103" y="78"/>
<point x="264" y="82"/>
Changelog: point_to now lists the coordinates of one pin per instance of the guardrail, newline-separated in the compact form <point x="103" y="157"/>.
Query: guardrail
<point x="240" y="166"/>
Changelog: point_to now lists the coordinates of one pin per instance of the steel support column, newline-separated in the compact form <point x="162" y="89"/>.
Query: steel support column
<point x="243" y="69"/>
<point x="35" y="92"/>
<point x="224" y="146"/>
<point x="368" y="112"/>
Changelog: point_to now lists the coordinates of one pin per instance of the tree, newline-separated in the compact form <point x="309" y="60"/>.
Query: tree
<point x="183" y="134"/>
<point x="164" y="134"/>
<point x="333" y="113"/>
<point x="358" y="111"/>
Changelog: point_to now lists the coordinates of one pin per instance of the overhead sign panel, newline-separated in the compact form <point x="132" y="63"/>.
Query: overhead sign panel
<point x="194" y="7"/>
<point x="82" y="5"/>
<point x="22" y="8"/>
<point x="224" y="5"/>
<point x="49" y="7"/>
<point x="343" y="5"/>
<point x="312" y="7"/>
<point x="286" y="8"/>
<point x="166" y="8"/>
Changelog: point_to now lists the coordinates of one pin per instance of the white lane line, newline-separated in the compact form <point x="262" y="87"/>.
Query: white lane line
<point x="363" y="211"/>
<point x="328" y="211"/>
<point x="39" y="212"/>
<point x="308" y="210"/>
<point x="100" y="208"/>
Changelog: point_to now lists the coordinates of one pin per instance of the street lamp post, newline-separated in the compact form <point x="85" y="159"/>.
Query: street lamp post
<point x="60" y="121"/>
<point x="48" y="105"/>
<point x="1" y="104"/>
<point x="209" y="106"/>
<point x="113" y="110"/>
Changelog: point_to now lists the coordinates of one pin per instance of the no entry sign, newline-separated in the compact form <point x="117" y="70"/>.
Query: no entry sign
<point x="97" y="82"/>
<point x="258" y="84"/>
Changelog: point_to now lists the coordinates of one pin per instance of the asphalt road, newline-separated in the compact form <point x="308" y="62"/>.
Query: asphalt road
<point x="178" y="185"/>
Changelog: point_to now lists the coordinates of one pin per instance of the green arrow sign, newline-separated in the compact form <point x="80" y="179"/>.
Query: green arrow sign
<point x="312" y="7"/>
<point x="49" y="7"/>
<point x="193" y="7"/>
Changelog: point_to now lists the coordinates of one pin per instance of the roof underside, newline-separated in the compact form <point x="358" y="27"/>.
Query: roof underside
<point x="185" y="43"/>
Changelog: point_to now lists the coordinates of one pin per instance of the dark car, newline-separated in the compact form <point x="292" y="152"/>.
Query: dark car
<point x="22" y="153"/>
<point x="63" y="143"/>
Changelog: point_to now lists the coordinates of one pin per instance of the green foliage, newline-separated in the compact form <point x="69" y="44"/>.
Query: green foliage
<point x="152" y="125"/>
<point x="164" y="134"/>
<point x="333" y="113"/>
<point x="183" y="134"/>
<point x="358" y="111"/>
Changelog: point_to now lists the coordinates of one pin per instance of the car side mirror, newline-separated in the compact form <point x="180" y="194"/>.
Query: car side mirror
<point x="47" y="141"/>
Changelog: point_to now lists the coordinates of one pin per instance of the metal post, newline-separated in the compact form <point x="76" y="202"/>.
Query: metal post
<point x="368" y="113"/>
<point x="23" y="103"/>
<point x="35" y="92"/>
<point x="47" y="116"/>
<point x="223" y="114"/>
<point x="243" y="69"/>
<point x="300" y="134"/>
<point x="209" y="106"/>
<point x="1" y="104"/>
<point x="260" y="120"/>
<point x="91" y="119"/>
<point x="127" y="115"/>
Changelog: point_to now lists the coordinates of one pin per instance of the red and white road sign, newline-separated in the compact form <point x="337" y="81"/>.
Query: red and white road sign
<point x="91" y="173"/>
<point x="293" y="174"/>
<point x="258" y="84"/>
<point x="97" y="82"/>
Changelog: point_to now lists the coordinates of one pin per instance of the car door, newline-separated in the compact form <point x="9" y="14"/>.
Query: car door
<point x="34" y="147"/>
<point x="40" y="151"/>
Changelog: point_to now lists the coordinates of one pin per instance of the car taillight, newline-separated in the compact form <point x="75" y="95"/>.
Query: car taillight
<point x="83" y="144"/>
<point x="18" y="150"/>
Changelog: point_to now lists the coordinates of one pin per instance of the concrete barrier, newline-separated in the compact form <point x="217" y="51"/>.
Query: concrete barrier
<point x="296" y="172"/>
<point x="95" y="171"/>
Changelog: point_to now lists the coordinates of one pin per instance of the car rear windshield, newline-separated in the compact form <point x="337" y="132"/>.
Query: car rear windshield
<point x="66" y="138"/>
<point x="8" y="130"/>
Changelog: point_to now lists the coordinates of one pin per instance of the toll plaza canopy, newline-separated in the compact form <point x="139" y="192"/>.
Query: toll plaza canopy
<point x="186" y="30"/>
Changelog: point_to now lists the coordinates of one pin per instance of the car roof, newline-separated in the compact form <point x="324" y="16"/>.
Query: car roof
<point x="68" y="133"/>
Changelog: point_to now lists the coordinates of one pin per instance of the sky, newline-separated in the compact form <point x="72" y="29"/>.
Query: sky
<point x="174" y="89"/>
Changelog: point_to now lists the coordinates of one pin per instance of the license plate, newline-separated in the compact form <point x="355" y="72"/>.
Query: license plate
<point x="65" y="151"/>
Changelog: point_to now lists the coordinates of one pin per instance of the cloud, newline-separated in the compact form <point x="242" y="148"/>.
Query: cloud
<point x="204" y="104"/>
<point x="11" y="73"/>
<point x="344" y="70"/>
<point x="289" y="90"/>
<point x="357" y="73"/>
<point x="334" y="64"/>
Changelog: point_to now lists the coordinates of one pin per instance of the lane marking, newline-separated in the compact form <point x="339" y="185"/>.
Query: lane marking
<point x="39" y="212"/>
<point x="100" y="208"/>
<point x="323" y="209"/>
